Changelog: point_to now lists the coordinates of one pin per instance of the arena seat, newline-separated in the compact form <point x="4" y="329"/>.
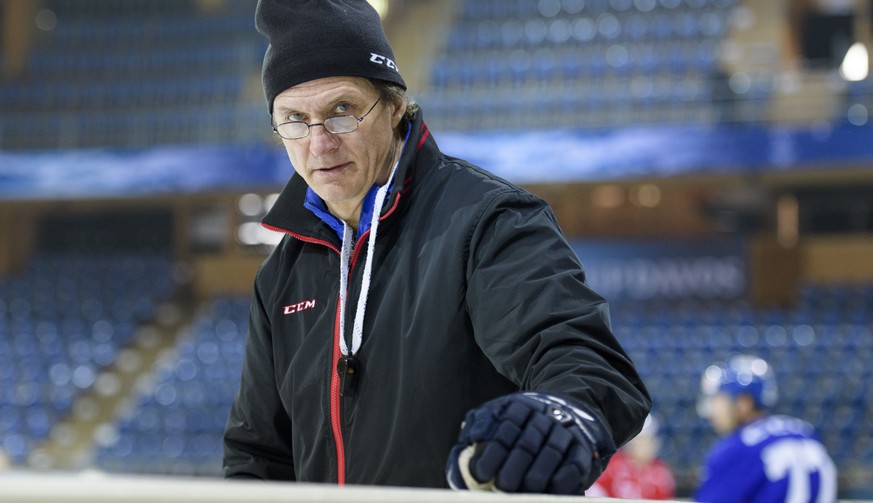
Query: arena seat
<point x="99" y="59"/>
<point x="819" y="350"/>
<point x="179" y="422"/>
<point x="600" y="45"/>
<point x="176" y="425"/>
<point x="66" y="317"/>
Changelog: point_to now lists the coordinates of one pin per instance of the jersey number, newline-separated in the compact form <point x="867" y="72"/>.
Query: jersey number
<point x="798" y="459"/>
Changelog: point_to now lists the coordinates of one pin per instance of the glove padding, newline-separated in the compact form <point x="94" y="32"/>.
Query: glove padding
<point x="529" y="442"/>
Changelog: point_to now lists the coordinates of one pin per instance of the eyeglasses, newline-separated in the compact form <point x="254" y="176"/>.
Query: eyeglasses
<point x="338" y="124"/>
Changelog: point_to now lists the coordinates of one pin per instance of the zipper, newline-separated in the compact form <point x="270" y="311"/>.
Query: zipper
<point x="335" y="422"/>
<point x="335" y="411"/>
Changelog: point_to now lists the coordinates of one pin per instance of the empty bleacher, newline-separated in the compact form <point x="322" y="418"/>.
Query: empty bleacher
<point x="819" y="349"/>
<point x="180" y="72"/>
<point x="143" y="75"/>
<point x="176" y="426"/>
<point x="69" y="315"/>
<point x="522" y="65"/>
<point x="62" y="321"/>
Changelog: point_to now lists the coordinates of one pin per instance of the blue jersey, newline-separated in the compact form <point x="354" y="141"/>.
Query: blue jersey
<point x="773" y="459"/>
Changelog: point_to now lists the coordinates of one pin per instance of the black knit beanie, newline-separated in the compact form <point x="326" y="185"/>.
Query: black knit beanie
<point x="312" y="39"/>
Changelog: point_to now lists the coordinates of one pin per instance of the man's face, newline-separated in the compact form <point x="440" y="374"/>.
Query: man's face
<point x="340" y="168"/>
<point x="723" y="413"/>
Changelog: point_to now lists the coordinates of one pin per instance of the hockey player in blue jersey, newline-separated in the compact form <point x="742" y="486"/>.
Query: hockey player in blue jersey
<point x="761" y="458"/>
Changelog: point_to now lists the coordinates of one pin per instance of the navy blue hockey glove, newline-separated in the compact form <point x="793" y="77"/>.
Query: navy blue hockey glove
<point x="529" y="442"/>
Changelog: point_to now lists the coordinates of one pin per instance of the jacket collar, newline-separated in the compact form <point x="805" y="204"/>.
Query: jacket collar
<point x="288" y="213"/>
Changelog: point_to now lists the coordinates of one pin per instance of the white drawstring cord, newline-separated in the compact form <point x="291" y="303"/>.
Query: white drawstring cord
<point x="345" y="258"/>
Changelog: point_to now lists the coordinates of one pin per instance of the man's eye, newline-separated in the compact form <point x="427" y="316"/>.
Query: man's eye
<point x="342" y="108"/>
<point x="294" y="117"/>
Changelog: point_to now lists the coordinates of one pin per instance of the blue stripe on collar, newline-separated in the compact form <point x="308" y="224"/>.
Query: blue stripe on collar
<point x="316" y="204"/>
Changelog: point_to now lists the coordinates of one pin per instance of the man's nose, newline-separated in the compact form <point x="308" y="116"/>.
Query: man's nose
<point x="321" y="140"/>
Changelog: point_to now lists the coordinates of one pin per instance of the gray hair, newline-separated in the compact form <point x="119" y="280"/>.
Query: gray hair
<point x="390" y="91"/>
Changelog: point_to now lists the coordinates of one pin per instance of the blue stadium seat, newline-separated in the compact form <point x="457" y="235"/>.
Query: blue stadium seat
<point x="189" y="404"/>
<point x="667" y="48"/>
<point x="122" y="60"/>
<point x="59" y="326"/>
<point x="822" y="365"/>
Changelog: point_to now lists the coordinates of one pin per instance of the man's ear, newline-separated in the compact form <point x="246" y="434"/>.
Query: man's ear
<point x="399" y="111"/>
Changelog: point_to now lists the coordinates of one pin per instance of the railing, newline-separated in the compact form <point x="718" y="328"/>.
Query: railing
<point x="99" y="488"/>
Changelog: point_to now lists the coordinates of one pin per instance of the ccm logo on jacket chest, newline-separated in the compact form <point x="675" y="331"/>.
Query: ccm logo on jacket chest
<point x="300" y="306"/>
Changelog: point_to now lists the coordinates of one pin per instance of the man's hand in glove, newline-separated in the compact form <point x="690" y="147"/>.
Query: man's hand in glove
<point x="529" y="442"/>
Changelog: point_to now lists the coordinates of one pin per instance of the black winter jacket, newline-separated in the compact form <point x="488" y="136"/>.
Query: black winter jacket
<point x="475" y="294"/>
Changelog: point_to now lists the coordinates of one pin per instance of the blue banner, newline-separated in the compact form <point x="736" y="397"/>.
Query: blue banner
<point x="90" y="173"/>
<point x="549" y="156"/>
<point x="659" y="151"/>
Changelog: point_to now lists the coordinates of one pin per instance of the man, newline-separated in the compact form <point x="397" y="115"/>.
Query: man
<point x="636" y="471"/>
<point x="411" y="293"/>
<point x="762" y="458"/>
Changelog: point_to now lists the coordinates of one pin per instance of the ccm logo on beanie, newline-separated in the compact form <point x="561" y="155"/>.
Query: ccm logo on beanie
<point x="382" y="60"/>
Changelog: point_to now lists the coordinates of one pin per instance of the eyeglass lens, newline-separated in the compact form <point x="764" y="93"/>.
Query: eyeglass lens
<point x="337" y="125"/>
